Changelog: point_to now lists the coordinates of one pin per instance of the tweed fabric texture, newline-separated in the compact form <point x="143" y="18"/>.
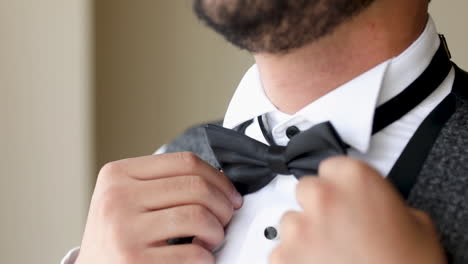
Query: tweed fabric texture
<point x="441" y="188"/>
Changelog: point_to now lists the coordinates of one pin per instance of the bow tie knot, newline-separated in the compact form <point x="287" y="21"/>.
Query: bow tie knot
<point x="276" y="160"/>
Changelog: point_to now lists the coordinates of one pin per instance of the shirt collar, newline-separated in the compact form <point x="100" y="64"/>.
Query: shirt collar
<point x="357" y="98"/>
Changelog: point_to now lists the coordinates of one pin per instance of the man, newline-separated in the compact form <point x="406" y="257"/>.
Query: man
<point x="370" y="78"/>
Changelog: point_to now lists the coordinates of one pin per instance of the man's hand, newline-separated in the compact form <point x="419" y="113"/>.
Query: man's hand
<point x="140" y="203"/>
<point x="353" y="215"/>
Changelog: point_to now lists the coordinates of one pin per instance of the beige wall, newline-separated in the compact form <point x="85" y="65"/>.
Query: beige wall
<point x="155" y="66"/>
<point x="451" y="19"/>
<point x="45" y="128"/>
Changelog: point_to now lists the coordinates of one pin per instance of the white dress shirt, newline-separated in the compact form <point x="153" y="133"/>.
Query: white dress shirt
<point x="350" y="108"/>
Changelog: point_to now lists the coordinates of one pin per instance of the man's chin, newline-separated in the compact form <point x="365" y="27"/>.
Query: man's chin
<point x="275" y="26"/>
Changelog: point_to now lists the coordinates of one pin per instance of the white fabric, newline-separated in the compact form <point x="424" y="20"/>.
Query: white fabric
<point x="71" y="257"/>
<point x="161" y="150"/>
<point x="350" y="108"/>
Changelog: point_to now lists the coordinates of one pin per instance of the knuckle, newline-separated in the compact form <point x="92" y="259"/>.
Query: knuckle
<point x="198" y="185"/>
<point x="207" y="194"/>
<point x="318" y="194"/>
<point x="198" y="214"/>
<point x="112" y="167"/>
<point x="190" y="160"/>
<point x="202" y="218"/>
<point x="110" y="170"/>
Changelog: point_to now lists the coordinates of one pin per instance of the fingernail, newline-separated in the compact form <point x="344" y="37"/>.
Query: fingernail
<point x="237" y="198"/>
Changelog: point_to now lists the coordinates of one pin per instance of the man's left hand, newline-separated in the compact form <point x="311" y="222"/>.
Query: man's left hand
<point x="351" y="214"/>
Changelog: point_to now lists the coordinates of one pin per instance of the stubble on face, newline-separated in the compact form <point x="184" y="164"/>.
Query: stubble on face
<point x="275" y="26"/>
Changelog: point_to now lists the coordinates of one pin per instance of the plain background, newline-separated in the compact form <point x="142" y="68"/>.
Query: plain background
<point x="84" y="82"/>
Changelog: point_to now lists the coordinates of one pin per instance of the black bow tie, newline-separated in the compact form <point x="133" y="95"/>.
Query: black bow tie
<point x="251" y="164"/>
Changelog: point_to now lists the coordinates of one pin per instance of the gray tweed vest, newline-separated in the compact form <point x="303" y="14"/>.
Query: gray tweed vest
<point x="441" y="186"/>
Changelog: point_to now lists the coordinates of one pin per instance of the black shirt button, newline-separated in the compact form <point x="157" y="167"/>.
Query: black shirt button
<point x="292" y="131"/>
<point x="271" y="233"/>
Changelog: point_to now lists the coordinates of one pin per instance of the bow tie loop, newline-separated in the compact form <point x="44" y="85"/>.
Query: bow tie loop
<point x="276" y="160"/>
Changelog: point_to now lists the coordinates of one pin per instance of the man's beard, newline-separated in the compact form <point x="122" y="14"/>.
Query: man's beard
<point x="276" y="26"/>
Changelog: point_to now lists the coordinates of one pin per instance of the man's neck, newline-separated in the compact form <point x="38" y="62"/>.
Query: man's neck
<point x="301" y="76"/>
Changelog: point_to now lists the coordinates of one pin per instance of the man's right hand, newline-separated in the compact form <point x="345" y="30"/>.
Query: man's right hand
<point x="140" y="203"/>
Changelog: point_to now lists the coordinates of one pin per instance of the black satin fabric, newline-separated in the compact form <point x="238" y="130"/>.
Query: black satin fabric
<point x="250" y="164"/>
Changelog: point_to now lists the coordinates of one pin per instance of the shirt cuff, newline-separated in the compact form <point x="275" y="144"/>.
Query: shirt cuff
<point x="71" y="257"/>
<point x="161" y="150"/>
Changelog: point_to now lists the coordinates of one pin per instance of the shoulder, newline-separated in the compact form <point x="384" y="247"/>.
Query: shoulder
<point x="455" y="133"/>
<point x="441" y="188"/>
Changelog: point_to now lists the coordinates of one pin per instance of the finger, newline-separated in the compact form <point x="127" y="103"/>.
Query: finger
<point x="357" y="181"/>
<point x="180" y="254"/>
<point x="342" y="166"/>
<point x="182" y="221"/>
<point x="315" y="194"/>
<point x="176" y="164"/>
<point x="166" y="165"/>
<point x="293" y="226"/>
<point x="184" y="190"/>
<point x="279" y="256"/>
<point x="351" y="174"/>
